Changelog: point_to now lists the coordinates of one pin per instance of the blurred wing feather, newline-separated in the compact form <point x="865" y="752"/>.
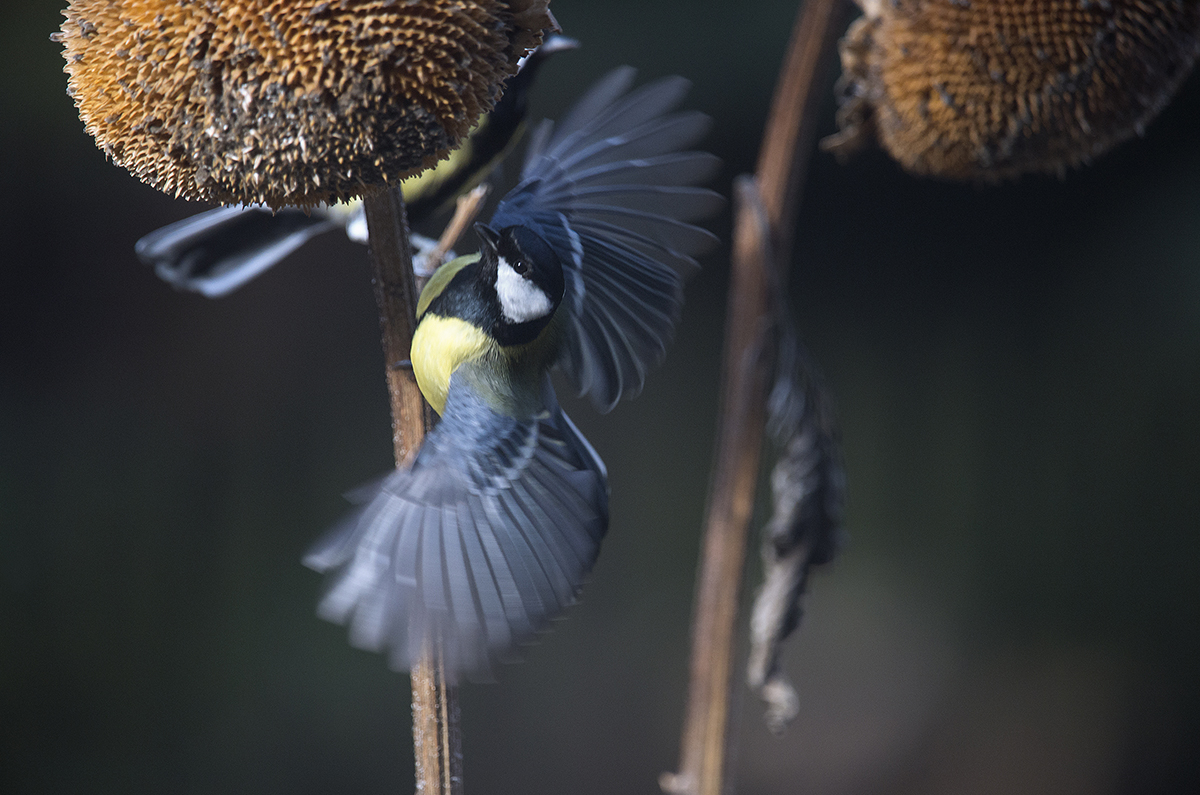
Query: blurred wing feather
<point x="215" y="252"/>
<point x="612" y="190"/>
<point x="487" y="537"/>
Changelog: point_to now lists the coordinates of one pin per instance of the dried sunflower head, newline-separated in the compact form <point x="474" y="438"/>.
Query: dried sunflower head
<point x="988" y="89"/>
<point x="288" y="101"/>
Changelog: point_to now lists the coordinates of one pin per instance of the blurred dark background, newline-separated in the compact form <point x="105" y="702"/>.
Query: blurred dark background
<point x="1017" y="371"/>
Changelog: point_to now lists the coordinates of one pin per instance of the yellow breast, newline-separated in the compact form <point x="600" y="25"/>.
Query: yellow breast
<point x="439" y="346"/>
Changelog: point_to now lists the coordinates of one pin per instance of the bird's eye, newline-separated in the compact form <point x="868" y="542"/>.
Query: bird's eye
<point x="521" y="266"/>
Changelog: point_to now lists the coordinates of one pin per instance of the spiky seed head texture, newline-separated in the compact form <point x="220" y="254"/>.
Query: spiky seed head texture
<point x="988" y="89"/>
<point x="288" y="101"/>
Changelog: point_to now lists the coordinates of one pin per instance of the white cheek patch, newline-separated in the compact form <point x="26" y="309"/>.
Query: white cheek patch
<point x="520" y="299"/>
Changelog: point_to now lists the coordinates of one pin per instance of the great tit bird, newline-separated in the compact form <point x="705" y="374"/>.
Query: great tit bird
<point x="217" y="251"/>
<point x="493" y="528"/>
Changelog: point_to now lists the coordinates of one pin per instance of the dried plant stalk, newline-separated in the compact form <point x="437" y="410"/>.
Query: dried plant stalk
<point x="703" y="755"/>
<point x="466" y="209"/>
<point x="436" y="739"/>
<point x="437" y="742"/>
<point x="762" y="239"/>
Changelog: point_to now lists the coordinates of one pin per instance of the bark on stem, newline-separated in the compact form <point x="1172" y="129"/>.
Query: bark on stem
<point x="436" y="740"/>
<point x="765" y="212"/>
<point x="792" y="124"/>
<point x="704" y="758"/>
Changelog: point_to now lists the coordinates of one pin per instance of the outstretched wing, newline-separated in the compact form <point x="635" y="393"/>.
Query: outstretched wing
<point x="487" y="537"/>
<point x="217" y="251"/>
<point x="612" y="190"/>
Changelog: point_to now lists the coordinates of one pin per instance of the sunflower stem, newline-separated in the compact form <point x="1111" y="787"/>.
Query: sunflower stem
<point x="436" y="740"/>
<point x="765" y="211"/>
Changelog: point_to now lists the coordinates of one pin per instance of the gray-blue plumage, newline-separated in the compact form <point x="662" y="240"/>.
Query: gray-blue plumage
<point x="494" y="528"/>
<point x="487" y="536"/>
<point x="612" y="192"/>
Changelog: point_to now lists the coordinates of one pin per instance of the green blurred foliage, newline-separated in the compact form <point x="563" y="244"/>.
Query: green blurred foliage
<point x="1017" y="371"/>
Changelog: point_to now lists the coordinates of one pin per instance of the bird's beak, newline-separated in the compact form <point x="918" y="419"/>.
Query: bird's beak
<point x="489" y="239"/>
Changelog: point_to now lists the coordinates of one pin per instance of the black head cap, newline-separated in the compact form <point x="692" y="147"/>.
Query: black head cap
<point x="526" y="276"/>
